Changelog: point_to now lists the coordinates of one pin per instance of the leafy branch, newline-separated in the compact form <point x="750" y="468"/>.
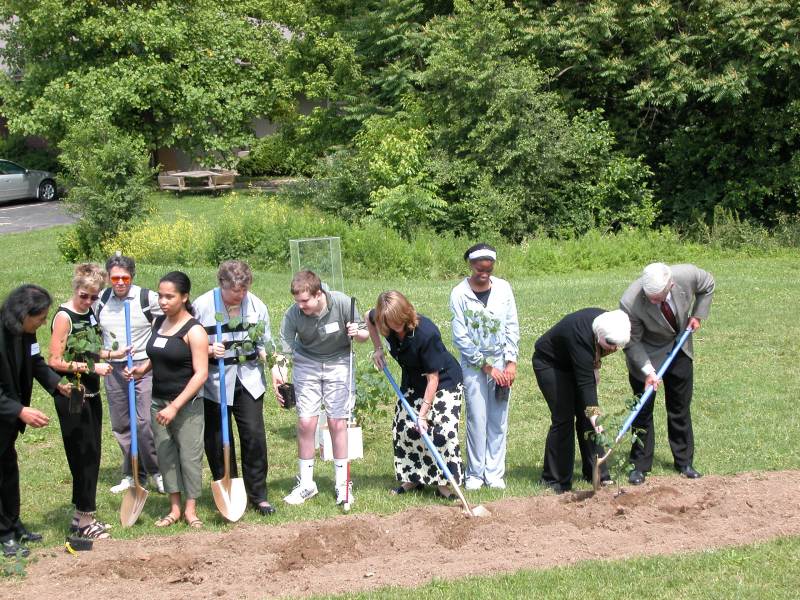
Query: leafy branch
<point x="618" y="461"/>
<point x="84" y="344"/>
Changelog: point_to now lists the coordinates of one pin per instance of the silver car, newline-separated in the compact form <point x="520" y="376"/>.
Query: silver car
<point x="19" y="183"/>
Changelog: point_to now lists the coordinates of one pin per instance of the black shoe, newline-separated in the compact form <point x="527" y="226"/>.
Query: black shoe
<point x="689" y="472"/>
<point x="21" y="534"/>
<point x="636" y="477"/>
<point x="13" y="548"/>
<point x="264" y="510"/>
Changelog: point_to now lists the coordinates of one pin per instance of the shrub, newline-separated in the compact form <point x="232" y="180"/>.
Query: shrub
<point x="183" y="242"/>
<point x="110" y="178"/>
<point x="269" y="155"/>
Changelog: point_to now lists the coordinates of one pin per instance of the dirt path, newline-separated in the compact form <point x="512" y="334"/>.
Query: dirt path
<point x="360" y="552"/>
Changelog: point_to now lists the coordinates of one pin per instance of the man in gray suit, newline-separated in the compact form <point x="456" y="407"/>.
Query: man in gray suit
<point x="661" y="304"/>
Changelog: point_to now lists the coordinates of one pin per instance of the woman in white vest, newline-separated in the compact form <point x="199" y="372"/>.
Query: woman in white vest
<point x="245" y="383"/>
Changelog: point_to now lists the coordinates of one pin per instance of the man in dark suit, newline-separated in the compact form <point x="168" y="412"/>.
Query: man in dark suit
<point x="661" y="304"/>
<point x="23" y="312"/>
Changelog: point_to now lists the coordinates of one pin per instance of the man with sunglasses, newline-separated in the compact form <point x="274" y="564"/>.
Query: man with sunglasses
<point x="110" y="313"/>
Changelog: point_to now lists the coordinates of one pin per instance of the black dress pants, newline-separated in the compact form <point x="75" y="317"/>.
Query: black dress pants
<point x="249" y="415"/>
<point x="567" y="418"/>
<point x="677" y="384"/>
<point x="81" y="433"/>
<point x="9" y="481"/>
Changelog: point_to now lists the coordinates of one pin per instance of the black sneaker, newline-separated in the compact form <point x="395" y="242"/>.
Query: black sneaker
<point x="13" y="548"/>
<point x="23" y="535"/>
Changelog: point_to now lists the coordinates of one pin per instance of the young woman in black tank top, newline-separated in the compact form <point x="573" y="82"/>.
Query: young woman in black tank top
<point x="178" y="357"/>
<point x="81" y="431"/>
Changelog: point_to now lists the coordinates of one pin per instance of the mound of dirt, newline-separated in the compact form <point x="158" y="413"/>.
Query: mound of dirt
<point x="361" y="552"/>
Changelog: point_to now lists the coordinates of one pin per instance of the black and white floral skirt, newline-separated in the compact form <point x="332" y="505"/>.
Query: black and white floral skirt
<point x="413" y="462"/>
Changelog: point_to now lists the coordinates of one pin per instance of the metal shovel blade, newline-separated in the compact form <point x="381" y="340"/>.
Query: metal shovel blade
<point x="598" y="462"/>
<point x="230" y="498"/>
<point x="229" y="494"/>
<point x="134" y="499"/>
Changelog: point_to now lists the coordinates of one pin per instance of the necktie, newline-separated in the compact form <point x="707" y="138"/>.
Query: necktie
<point x="666" y="310"/>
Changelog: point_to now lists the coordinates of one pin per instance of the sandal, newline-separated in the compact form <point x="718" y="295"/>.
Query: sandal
<point x="402" y="489"/>
<point x="166" y="521"/>
<point x="194" y="523"/>
<point x="92" y="531"/>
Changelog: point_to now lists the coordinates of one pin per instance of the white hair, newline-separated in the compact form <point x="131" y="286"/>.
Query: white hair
<point x="655" y="278"/>
<point x="613" y="327"/>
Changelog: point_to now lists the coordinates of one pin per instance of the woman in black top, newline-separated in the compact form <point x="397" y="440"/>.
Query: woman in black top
<point x="432" y="381"/>
<point x="178" y="356"/>
<point x="566" y="361"/>
<point x="22" y="313"/>
<point x="81" y="424"/>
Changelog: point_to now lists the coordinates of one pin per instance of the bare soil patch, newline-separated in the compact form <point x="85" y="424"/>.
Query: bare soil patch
<point x="364" y="551"/>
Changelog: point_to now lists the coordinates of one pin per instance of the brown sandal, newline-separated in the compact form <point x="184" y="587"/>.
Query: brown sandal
<point x="166" y="521"/>
<point x="195" y="523"/>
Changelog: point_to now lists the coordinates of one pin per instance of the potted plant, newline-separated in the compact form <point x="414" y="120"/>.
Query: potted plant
<point x="245" y="347"/>
<point x="618" y="462"/>
<point x="83" y="344"/>
<point x="483" y="330"/>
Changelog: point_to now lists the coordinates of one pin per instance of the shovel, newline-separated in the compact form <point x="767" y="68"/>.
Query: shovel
<point x="134" y="499"/>
<point x="229" y="494"/>
<point x="350" y="403"/>
<point x="636" y="410"/>
<point x="475" y="511"/>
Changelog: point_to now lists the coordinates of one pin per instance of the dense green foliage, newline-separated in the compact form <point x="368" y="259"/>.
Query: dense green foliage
<point x="484" y="118"/>
<point x="257" y="228"/>
<point x="109" y="176"/>
<point x="561" y="116"/>
<point x="188" y="74"/>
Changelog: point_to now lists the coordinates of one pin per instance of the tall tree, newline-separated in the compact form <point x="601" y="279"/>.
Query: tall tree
<point x="190" y="73"/>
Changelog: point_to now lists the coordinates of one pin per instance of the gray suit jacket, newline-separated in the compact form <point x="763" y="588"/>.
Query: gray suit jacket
<point x="652" y="338"/>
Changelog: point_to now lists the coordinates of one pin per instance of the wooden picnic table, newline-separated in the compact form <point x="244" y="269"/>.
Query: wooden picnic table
<point x="198" y="180"/>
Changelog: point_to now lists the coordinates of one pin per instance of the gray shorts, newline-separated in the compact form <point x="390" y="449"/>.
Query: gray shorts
<point x="322" y="384"/>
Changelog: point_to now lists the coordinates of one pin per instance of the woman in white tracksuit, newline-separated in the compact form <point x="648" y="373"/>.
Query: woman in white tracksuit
<point x="486" y="333"/>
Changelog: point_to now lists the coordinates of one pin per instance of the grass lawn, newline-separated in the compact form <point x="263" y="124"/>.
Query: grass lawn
<point x="744" y="410"/>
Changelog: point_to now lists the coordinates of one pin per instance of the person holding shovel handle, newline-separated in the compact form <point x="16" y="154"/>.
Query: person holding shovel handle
<point x="21" y="314"/>
<point x="566" y="361"/>
<point x="110" y="313"/>
<point x="81" y="419"/>
<point x="178" y="356"/>
<point x="316" y="331"/>
<point x="431" y="380"/>
<point x="663" y="303"/>
<point x="244" y="380"/>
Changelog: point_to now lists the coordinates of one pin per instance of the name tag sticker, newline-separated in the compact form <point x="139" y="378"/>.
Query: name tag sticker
<point x="332" y="327"/>
<point x="160" y="342"/>
<point x="92" y="320"/>
<point x="35" y="349"/>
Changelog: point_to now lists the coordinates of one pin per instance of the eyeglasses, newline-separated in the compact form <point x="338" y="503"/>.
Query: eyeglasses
<point x="120" y="279"/>
<point x="85" y="296"/>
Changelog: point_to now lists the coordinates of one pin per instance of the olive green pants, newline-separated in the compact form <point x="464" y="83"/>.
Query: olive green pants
<point x="179" y="446"/>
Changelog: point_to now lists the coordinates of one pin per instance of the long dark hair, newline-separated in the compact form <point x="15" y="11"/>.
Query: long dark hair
<point x="182" y="283"/>
<point x="28" y="299"/>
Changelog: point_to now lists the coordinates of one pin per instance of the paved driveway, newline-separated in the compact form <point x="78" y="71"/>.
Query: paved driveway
<point x="39" y="215"/>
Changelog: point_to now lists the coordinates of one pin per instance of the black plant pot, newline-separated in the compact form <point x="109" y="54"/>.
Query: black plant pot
<point x="76" y="398"/>
<point x="287" y="393"/>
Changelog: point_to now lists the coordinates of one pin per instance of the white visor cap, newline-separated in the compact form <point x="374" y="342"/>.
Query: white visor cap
<point x="614" y="327"/>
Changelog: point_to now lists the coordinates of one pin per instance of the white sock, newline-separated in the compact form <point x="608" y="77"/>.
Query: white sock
<point x="306" y="471"/>
<point x="340" y="471"/>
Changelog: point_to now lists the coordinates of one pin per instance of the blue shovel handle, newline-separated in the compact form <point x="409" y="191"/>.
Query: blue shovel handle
<point x="131" y="384"/>
<point x="649" y="391"/>
<point x="223" y="391"/>
<point x="424" y="435"/>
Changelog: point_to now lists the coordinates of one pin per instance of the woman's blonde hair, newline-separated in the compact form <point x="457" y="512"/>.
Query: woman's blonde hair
<point x="88" y="275"/>
<point x="394" y="306"/>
